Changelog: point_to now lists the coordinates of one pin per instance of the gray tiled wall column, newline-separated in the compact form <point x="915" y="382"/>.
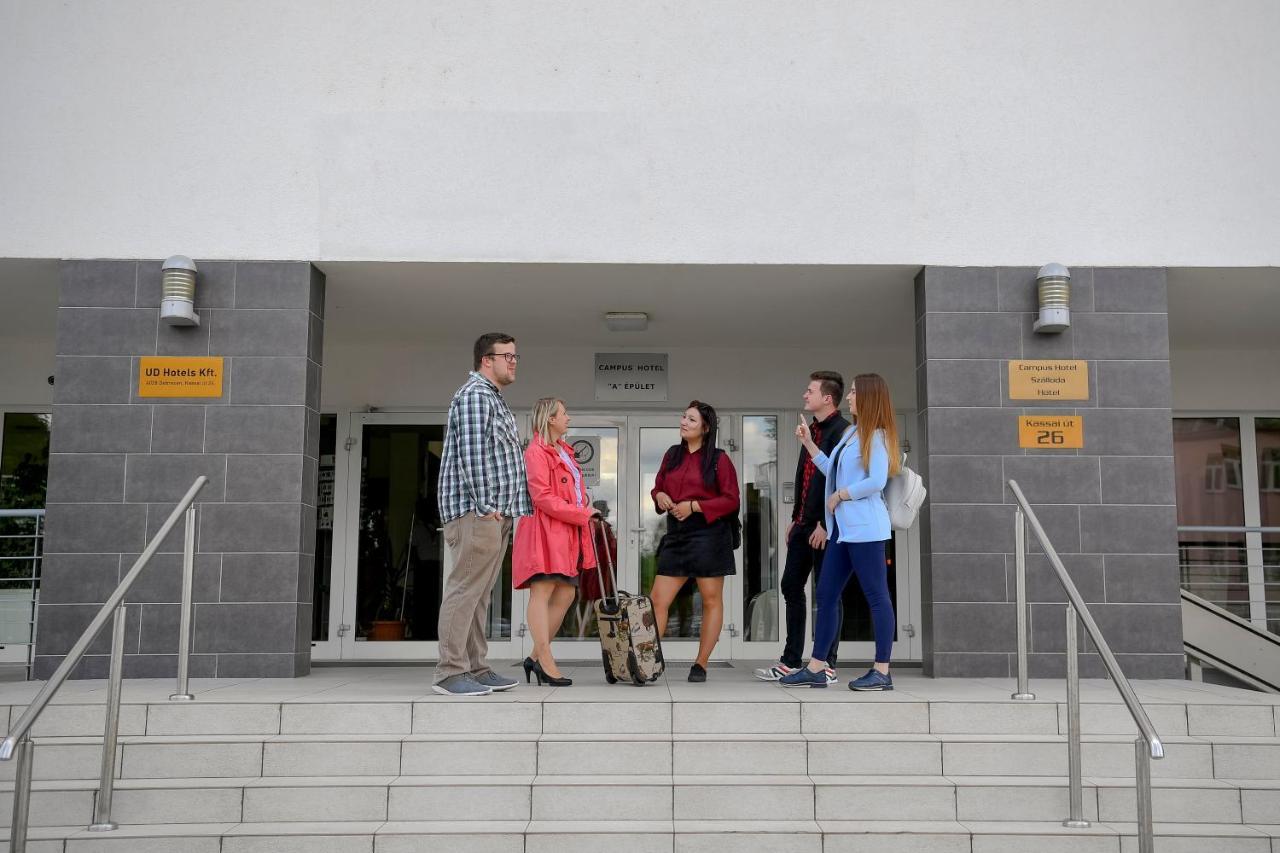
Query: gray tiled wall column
<point x="119" y="463"/>
<point x="1108" y="509"/>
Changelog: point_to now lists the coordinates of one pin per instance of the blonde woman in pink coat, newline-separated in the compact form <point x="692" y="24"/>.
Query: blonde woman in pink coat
<point x="553" y="544"/>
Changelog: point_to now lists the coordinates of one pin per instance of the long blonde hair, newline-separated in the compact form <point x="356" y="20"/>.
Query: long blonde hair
<point x="543" y="411"/>
<point x="875" y="412"/>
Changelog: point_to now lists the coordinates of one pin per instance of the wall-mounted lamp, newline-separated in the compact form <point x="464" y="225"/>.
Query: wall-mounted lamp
<point x="1053" y="285"/>
<point x="178" y="292"/>
<point x="626" y="321"/>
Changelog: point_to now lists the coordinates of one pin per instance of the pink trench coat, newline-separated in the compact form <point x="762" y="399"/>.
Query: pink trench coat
<point x="553" y="540"/>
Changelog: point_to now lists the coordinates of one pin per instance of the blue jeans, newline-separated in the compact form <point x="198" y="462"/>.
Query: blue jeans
<point x="844" y="560"/>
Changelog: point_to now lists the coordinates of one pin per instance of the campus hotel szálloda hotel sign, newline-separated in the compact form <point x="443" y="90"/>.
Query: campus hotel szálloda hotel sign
<point x="1049" y="379"/>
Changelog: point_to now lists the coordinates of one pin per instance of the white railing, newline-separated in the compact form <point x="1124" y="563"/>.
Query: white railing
<point x="1236" y="568"/>
<point x="21" y="555"/>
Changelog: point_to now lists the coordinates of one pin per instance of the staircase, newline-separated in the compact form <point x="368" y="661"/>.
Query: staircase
<point x="1236" y="646"/>
<point x="352" y="759"/>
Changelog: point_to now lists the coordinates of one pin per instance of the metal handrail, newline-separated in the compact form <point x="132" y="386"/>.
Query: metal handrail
<point x="18" y="741"/>
<point x="1148" y="745"/>
<point x="1218" y="528"/>
<point x="1248" y="570"/>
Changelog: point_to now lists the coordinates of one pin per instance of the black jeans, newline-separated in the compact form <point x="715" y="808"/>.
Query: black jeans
<point x="801" y="561"/>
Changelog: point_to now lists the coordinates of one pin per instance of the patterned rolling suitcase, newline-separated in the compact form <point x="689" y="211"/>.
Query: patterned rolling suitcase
<point x="629" y="642"/>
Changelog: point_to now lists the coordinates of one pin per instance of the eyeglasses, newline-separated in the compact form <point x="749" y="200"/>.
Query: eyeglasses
<point x="511" y="357"/>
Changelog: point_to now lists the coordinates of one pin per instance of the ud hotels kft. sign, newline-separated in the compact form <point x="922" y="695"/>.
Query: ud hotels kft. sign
<point x="171" y="376"/>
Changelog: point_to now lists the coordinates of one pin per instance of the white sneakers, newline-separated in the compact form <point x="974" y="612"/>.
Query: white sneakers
<point x="773" y="673"/>
<point x="779" y="670"/>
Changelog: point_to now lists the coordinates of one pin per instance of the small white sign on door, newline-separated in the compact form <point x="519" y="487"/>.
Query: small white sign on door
<point x="638" y="377"/>
<point x="586" y="449"/>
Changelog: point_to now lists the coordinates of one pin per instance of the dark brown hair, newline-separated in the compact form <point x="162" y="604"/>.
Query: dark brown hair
<point x="485" y="343"/>
<point x="711" y="421"/>
<point x="832" y="384"/>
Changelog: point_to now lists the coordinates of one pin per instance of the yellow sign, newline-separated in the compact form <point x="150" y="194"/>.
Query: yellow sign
<point x="165" y="376"/>
<point x="1051" y="432"/>
<point x="1049" y="379"/>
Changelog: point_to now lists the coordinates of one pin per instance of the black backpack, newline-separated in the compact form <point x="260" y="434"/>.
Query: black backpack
<point x="735" y="523"/>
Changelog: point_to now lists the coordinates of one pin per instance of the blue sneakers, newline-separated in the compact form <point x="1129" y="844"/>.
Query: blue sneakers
<point x="873" y="680"/>
<point x="802" y="677"/>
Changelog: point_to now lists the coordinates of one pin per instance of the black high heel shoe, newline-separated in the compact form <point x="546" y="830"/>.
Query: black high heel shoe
<point x="531" y="665"/>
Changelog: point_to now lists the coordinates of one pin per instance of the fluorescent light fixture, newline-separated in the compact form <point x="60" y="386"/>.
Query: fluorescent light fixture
<point x="626" y="321"/>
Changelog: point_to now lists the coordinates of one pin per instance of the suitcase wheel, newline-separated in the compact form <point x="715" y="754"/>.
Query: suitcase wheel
<point x="633" y="668"/>
<point x="608" y="669"/>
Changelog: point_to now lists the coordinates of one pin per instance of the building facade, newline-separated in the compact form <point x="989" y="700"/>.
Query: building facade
<point x="779" y="188"/>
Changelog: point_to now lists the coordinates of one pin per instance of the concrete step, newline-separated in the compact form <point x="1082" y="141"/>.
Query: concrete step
<point x="651" y="836"/>
<point x="952" y="755"/>
<point x="766" y="709"/>
<point x="368" y="760"/>
<point x="569" y="798"/>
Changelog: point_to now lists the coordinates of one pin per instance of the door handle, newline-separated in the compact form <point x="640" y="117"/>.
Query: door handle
<point x="639" y="529"/>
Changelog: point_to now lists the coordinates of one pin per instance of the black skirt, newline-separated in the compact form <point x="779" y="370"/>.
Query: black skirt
<point x="550" y="576"/>
<point x="695" y="549"/>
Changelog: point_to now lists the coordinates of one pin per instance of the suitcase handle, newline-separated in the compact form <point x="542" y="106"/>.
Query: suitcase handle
<point x="605" y="566"/>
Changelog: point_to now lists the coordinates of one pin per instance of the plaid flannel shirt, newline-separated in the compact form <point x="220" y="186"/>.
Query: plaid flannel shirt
<point x="482" y="468"/>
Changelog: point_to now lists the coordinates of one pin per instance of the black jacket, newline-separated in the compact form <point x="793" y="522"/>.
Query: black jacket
<point x="811" y="513"/>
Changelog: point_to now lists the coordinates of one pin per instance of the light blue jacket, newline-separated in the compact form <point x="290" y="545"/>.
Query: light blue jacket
<point x="864" y="517"/>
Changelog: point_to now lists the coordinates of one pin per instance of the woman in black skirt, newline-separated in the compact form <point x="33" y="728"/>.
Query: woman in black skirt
<point x="697" y="487"/>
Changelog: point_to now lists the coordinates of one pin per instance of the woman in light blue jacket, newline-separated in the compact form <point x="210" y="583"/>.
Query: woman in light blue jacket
<point x="858" y="524"/>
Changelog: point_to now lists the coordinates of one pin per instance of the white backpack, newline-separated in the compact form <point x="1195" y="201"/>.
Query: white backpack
<point x="903" y="497"/>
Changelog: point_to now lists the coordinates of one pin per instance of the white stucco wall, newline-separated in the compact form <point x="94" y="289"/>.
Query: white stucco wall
<point x="735" y="131"/>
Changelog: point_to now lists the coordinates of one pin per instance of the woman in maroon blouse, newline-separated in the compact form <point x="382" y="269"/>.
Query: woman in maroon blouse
<point x="697" y="487"/>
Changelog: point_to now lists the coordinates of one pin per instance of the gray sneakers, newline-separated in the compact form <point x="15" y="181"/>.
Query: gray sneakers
<point x="493" y="681"/>
<point x="461" y="685"/>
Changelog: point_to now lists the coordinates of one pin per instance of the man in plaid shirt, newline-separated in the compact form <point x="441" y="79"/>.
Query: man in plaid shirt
<point x="482" y="490"/>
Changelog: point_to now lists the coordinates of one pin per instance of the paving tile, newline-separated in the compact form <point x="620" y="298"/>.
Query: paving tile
<point x="373" y="718"/>
<point x="315" y="803"/>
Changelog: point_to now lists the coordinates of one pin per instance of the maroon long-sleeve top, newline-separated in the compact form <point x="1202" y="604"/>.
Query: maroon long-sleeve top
<point x="684" y="483"/>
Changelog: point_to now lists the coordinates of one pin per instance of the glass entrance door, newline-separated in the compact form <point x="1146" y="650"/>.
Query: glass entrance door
<point x="396" y="560"/>
<point x="599" y="444"/>
<point x="756" y="611"/>
<point x="857" y="638"/>
<point x="390" y="561"/>
<point x="630" y="451"/>
<point x="651" y="436"/>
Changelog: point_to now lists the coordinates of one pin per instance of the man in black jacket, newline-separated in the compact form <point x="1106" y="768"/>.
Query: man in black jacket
<point x="806" y="537"/>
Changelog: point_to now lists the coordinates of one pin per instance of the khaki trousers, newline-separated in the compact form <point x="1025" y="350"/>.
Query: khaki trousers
<point x="478" y="546"/>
